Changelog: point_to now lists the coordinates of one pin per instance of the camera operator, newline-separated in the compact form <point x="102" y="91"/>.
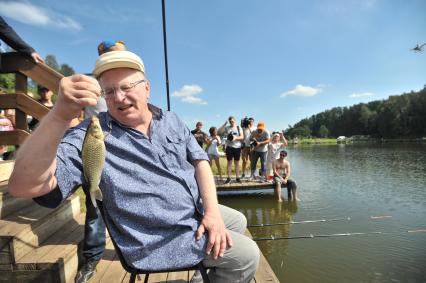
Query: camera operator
<point x="234" y="136"/>
<point x="248" y="128"/>
<point x="259" y="143"/>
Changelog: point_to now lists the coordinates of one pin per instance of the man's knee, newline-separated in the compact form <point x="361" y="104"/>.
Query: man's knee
<point x="249" y="261"/>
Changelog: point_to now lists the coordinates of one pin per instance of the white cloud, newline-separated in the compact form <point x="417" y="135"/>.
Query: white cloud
<point x="362" y="94"/>
<point x="188" y="94"/>
<point x="301" y="90"/>
<point x="27" y="13"/>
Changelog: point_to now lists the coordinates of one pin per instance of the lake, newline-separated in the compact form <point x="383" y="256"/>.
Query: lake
<point x="381" y="188"/>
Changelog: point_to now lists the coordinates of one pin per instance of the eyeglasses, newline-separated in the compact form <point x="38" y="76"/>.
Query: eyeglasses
<point x="126" y="88"/>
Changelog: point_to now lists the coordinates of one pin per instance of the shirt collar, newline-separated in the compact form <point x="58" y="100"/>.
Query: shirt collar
<point x="157" y="114"/>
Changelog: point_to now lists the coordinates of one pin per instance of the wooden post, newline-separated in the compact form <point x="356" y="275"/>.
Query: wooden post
<point x="21" y="87"/>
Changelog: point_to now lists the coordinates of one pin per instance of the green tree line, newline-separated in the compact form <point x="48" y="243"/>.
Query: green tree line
<point x="398" y="116"/>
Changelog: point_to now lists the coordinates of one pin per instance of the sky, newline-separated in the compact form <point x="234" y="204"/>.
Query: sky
<point x="278" y="61"/>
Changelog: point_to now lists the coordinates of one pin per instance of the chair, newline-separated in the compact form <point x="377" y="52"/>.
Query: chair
<point x="134" y="271"/>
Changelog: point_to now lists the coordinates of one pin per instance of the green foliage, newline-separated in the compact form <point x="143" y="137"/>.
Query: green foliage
<point x="66" y="70"/>
<point x="323" y="131"/>
<point x="51" y="62"/>
<point x="398" y="116"/>
<point x="7" y="82"/>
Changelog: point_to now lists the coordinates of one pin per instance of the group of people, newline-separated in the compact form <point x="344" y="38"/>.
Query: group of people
<point x="249" y="143"/>
<point x="158" y="189"/>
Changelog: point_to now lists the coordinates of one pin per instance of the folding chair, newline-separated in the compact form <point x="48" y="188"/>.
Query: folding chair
<point x="134" y="271"/>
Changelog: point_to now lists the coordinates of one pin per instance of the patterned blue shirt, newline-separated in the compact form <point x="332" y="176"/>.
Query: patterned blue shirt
<point x="149" y="189"/>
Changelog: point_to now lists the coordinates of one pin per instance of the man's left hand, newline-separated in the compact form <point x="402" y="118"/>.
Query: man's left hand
<point x="219" y="238"/>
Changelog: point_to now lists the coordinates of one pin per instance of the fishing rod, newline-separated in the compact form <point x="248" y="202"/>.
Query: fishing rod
<point x="313" y="221"/>
<point x="298" y="222"/>
<point x="311" y="236"/>
<point x="163" y="13"/>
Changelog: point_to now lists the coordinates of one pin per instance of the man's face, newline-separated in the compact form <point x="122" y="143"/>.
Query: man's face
<point x="126" y="107"/>
<point x="199" y="126"/>
<point x="232" y="122"/>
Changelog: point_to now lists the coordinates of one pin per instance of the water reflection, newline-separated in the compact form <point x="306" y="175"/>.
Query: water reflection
<point x="265" y="209"/>
<point x="340" y="181"/>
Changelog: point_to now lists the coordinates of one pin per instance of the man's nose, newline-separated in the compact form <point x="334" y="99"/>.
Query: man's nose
<point x="119" y="94"/>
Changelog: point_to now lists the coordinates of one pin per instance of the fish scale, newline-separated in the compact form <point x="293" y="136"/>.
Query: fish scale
<point x="93" y="155"/>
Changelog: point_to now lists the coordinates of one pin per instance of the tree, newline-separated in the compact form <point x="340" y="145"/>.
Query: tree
<point x="51" y="62"/>
<point x="323" y="131"/>
<point x="66" y="70"/>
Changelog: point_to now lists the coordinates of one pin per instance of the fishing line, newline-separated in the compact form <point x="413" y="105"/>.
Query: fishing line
<point x="314" y="221"/>
<point x="311" y="236"/>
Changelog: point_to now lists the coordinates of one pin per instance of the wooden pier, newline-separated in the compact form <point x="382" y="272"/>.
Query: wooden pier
<point x="40" y="245"/>
<point x="245" y="185"/>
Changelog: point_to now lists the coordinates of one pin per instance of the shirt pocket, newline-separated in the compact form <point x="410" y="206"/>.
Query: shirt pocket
<point x="176" y="150"/>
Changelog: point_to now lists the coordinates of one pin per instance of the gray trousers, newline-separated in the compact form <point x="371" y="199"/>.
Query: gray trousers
<point x="239" y="262"/>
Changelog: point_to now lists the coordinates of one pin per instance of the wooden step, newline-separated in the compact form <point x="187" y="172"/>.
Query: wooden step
<point x="23" y="231"/>
<point x="56" y="258"/>
<point x="9" y="204"/>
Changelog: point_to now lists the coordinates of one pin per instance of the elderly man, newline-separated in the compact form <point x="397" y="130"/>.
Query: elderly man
<point x="157" y="186"/>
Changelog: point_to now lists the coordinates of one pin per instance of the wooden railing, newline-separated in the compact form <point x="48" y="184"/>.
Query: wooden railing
<point x="23" y="104"/>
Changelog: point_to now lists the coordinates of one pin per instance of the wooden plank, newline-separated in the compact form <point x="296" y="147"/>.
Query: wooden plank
<point x="180" y="277"/>
<point x="23" y="102"/>
<point x="9" y="204"/>
<point x="157" y="278"/>
<point x="33" y="225"/>
<point x="264" y="273"/>
<point x="15" y="137"/>
<point x="6" y="168"/>
<point x="20" y="116"/>
<point x="114" y="273"/>
<point x="63" y="237"/>
<point x="8" y="101"/>
<point x="31" y="106"/>
<point x="108" y="257"/>
<point x="244" y="186"/>
<point x="40" y="73"/>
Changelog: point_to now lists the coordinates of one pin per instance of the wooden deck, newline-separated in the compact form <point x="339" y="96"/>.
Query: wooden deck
<point x="40" y="245"/>
<point x="245" y="185"/>
<point x="110" y="270"/>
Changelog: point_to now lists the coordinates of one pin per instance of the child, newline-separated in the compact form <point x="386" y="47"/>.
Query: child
<point x="212" y="150"/>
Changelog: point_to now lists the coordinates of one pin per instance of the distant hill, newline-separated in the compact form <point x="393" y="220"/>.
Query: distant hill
<point x="398" y="116"/>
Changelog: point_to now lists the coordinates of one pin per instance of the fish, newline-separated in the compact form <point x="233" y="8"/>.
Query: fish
<point x="93" y="155"/>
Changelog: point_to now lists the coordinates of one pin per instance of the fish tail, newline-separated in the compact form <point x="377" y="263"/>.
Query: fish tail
<point x="95" y="194"/>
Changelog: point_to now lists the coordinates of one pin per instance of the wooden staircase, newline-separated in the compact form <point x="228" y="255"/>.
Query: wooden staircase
<point x="37" y="244"/>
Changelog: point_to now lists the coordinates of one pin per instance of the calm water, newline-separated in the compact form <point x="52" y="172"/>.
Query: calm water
<point x="356" y="181"/>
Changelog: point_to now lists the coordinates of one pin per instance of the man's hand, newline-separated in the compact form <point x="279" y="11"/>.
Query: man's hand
<point x="37" y="58"/>
<point x="218" y="237"/>
<point x="75" y="93"/>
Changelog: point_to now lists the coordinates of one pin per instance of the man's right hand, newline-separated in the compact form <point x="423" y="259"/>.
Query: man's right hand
<point x="75" y="93"/>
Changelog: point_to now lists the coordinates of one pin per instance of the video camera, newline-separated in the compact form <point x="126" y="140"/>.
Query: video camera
<point x="230" y="137"/>
<point x="245" y="122"/>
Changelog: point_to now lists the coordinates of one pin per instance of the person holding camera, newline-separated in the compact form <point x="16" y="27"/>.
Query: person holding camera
<point x="248" y="128"/>
<point x="259" y="148"/>
<point x="278" y="143"/>
<point x="234" y="137"/>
